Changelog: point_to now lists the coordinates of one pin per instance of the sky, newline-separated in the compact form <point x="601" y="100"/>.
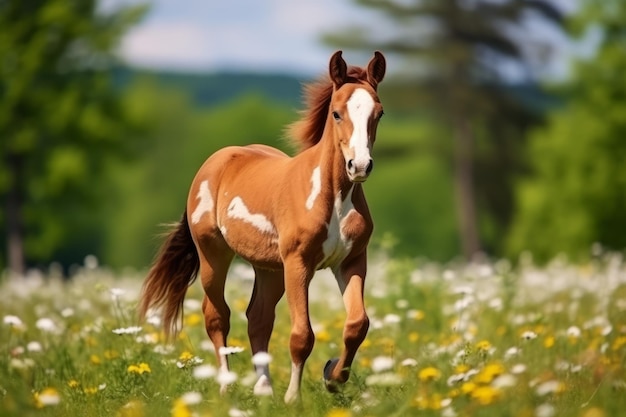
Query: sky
<point x="264" y="36"/>
<point x="252" y="35"/>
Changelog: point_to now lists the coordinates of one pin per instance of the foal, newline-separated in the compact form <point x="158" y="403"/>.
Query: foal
<point x="286" y="216"/>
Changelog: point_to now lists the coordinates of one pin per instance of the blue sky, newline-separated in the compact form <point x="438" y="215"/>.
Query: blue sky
<point x="269" y="35"/>
<point x="254" y="35"/>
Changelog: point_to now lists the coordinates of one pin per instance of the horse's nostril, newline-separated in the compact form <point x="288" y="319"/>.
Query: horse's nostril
<point x="350" y="164"/>
<point x="370" y="167"/>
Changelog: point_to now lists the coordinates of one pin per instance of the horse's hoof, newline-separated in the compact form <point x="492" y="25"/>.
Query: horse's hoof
<point x="331" y="385"/>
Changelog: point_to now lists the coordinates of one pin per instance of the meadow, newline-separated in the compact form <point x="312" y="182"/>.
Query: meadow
<point x="463" y="339"/>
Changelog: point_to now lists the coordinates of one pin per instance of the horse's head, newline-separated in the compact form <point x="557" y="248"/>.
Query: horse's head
<point x="354" y="113"/>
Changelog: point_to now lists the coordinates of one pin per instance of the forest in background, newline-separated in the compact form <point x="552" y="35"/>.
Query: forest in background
<point x="95" y="157"/>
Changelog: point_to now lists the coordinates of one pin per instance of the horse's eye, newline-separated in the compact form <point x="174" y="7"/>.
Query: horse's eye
<point x="380" y="116"/>
<point x="336" y="116"/>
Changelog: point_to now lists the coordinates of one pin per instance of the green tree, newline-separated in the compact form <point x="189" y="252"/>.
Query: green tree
<point x="60" y="118"/>
<point x="576" y="194"/>
<point x="452" y="50"/>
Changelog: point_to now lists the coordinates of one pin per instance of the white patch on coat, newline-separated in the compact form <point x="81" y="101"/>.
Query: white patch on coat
<point x="337" y="245"/>
<point x="316" y="187"/>
<point x="206" y="202"/>
<point x="360" y="107"/>
<point x="238" y="210"/>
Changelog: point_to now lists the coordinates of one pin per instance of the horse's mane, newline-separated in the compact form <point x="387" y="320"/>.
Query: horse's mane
<point x="308" y="131"/>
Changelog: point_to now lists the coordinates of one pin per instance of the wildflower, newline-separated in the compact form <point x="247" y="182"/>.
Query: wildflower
<point x="382" y="363"/>
<point x="485" y="395"/>
<point x="34" y="347"/>
<point x="90" y="390"/>
<point x="489" y="373"/>
<point x="402" y="304"/>
<point x="188" y="359"/>
<point x="230" y="350"/>
<point x="45" y="324"/>
<point x="261" y="359"/>
<point x="193" y="319"/>
<point x="549" y="387"/>
<point x="484" y="346"/>
<point x="573" y="332"/>
<point x="127" y="330"/>
<point x="409" y="362"/>
<point x="134" y="408"/>
<point x="545" y="410"/>
<point x="191" y="398"/>
<point x="72" y="383"/>
<point x="204" y="372"/>
<point x="67" y="312"/>
<point x="529" y="335"/>
<point x="226" y="377"/>
<point x="414" y="337"/>
<point x="339" y="412"/>
<point x="47" y="397"/>
<point x="139" y="369"/>
<point x="180" y="409"/>
<point x="392" y="319"/>
<point x="13" y="321"/>
<point x="504" y="381"/>
<point x="322" y="335"/>
<point x="111" y="354"/>
<point x="512" y="351"/>
<point x="235" y="412"/>
<point x="116" y="293"/>
<point x="548" y="342"/>
<point x="192" y="304"/>
<point x="429" y="374"/>
<point x="95" y="359"/>
<point x="416" y="315"/>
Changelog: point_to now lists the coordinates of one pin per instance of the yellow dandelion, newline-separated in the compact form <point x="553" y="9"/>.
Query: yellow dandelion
<point x="95" y="359"/>
<point x="90" y="390"/>
<point x="618" y="343"/>
<point x="548" y="342"/>
<point x="489" y="373"/>
<point x="139" y="369"/>
<point x="133" y="408"/>
<point x="193" y="319"/>
<point x="181" y="409"/>
<point x="339" y="412"/>
<point x="91" y="341"/>
<point x="429" y="374"/>
<point x="322" y="335"/>
<point x="72" y="383"/>
<point x="416" y="315"/>
<point x="483" y="346"/>
<point x="366" y="343"/>
<point x="185" y="356"/>
<point x="485" y="395"/>
<point x="414" y="337"/>
<point x="461" y="368"/>
<point x="365" y="362"/>
<point x="468" y="387"/>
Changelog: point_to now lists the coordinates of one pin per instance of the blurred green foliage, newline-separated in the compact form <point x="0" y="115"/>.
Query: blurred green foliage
<point x="576" y="193"/>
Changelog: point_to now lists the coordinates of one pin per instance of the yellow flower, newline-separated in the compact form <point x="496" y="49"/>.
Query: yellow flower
<point x="193" y="319"/>
<point x="548" y="342"/>
<point x="95" y="359"/>
<point x="48" y="396"/>
<point x="111" y="354"/>
<point x="139" y="369"/>
<point x="485" y="395"/>
<point x="414" y="337"/>
<point x="429" y="374"/>
<point x="416" y="315"/>
<point x="185" y="356"/>
<point x="133" y="408"/>
<point x="339" y="412"/>
<point x="90" y="390"/>
<point x="489" y="373"/>
<point x="468" y="387"/>
<point x="322" y="335"/>
<point x="72" y="383"/>
<point x="618" y="343"/>
<point x="483" y="345"/>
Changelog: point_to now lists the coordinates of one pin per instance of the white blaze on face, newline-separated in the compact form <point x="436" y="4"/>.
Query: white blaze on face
<point x="316" y="187"/>
<point x="206" y="202"/>
<point x="360" y="107"/>
<point x="238" y="210"/>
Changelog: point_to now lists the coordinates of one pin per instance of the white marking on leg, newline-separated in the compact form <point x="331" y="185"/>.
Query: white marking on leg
<point x="293" y="391"/>
<point x="337" y="245"/>
<point x="316" y="187"/>
<point x="263" y="386"/>
<point x="206" y="202"/>
<point x="238" y="210"/>
<point x="360" y="107"/>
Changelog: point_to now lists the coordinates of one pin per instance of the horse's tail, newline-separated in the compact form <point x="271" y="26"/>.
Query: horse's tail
<point x="174" y="269"/>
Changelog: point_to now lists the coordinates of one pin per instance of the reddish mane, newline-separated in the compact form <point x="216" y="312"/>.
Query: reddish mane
<point x="308" y="131"/>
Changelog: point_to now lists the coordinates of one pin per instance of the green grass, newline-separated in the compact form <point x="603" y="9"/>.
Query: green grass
<point x="457" y="340"/>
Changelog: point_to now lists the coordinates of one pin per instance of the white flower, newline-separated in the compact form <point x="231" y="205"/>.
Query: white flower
<point x="512" y="351"/>
<point x="13" y="321"/>
<point x="49" y="397"/>
<point x="548" y="387"/>
<point x="191" y="304"/>
<point x="230" y="350"/>
<point x="116" y="293"/>
<point x="191" y="398"/>
<point x="45" y="324"/>
<point x="261" y="359"/>
<point x="127" y="330"/>
<point x="402" y="304"/>
<point x="529" y="335"/>
<point x="163" y="349"/>
<point x="207" y="345"/>
<point x="520" y="368"/>
<point x="226" y="377"/>
<point x="392" y="319"/>
<point x="504" y="381"/>
<point x="204" y="372"/>
<point x="102" y="386"/>
<point x="34" y="347"/>
<point x="545" y="410"/>
<point x="235" y="412"/>
<point x="409" y="362"/>
<point x="154" y="320"/>
<point x="67" y="312"/>
<point x="382" y="363"/>
<point x="574" y="332"/>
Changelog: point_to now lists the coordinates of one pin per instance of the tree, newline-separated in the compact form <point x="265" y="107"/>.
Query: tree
<point x="59" y="116"/>
<point x="576" y="193"/>
<point x="453" y="49"/>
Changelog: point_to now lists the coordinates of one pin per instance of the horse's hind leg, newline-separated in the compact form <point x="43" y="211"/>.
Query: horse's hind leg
<point x="269" y="287"/>
<point x="214" y="265"/>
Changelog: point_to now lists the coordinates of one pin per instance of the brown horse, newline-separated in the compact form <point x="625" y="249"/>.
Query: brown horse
<point x="287" y="217"/>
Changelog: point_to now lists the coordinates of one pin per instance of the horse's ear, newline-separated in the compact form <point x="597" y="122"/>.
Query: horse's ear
<point x="376" y="69"/>
<point x="338" y="70"/>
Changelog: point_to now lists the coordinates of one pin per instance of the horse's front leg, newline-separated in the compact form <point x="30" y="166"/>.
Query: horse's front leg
<point x="297" y="278"/>
<point x="351" y="279"/>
